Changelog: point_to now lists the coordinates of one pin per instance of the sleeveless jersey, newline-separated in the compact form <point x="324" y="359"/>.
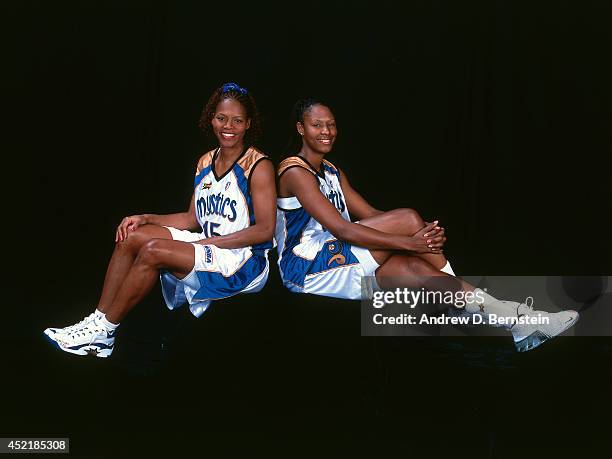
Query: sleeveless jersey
<point x="223" y="204"/>
<point x="300" y="237"/>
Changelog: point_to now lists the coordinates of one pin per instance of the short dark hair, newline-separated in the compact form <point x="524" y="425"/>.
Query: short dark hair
<point x="297" y="115"/>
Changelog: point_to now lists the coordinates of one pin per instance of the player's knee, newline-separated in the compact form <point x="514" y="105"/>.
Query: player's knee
<point x="150" y="252"/>
<point x="135" y="240"/>
<point x="410" y="218"/>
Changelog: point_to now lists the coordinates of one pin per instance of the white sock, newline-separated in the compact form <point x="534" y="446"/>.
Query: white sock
<point x="99" y="314"/>
<point x="107" y="324"/>
<point x="485" y="304"/>
<point x="447" y="269"/>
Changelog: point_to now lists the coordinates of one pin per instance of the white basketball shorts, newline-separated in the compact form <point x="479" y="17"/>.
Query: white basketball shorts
<point x="217" y="273"/>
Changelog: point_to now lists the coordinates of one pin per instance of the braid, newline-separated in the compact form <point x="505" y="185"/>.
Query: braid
<point x="253" y="134"/>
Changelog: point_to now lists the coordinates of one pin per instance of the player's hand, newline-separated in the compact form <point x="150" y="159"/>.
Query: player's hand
<point x="127" y="225"/>
<point x="429" y="239"/>
<point x="438" y="231"/>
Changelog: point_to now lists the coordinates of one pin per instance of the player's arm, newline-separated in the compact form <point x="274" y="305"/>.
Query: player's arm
<point x="263" y="192"/>
<point x="358" y="207"/>
<point x="303" y="185"/>
<point x="181" y="220"/>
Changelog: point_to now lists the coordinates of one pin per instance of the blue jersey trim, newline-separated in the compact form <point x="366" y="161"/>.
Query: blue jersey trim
<point x="243" y="184"/>
<point x="203" y="173"/>
<point x="244" y="189"/>
<point x="263" y="246"/>
<point x="215" y="285"/>
<point x="331" y="170"/>
<point x="334" y="254"/>
<point x="293" y="267"/>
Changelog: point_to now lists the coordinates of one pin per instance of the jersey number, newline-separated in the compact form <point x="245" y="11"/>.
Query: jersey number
<point x="209" y="228"/>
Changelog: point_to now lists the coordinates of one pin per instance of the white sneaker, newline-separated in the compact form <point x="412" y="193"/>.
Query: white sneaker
<point x="52" y="331"/>
<point x="528" y="336"/>
<point x="91" y="338"/>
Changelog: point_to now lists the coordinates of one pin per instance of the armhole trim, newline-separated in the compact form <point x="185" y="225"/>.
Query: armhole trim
<point x="253" y="170"/>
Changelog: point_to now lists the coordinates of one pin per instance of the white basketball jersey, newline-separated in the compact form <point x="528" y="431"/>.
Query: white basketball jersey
<point x="223" y="204"/>
<point x="299" y="236"/>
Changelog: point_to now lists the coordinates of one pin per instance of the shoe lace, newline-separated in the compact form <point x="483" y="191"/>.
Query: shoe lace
<point x="84" y="321"/>
<point x="91" y="328"/>
<point x="528" y="303"/>
<point x="78" y="325"/>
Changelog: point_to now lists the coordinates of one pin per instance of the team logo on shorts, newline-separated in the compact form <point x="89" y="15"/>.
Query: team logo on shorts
<point x="335" y="248"/>
<point x="206" y="186"/>
<point x="208" y="255"/>
<point x="227" y="185"/>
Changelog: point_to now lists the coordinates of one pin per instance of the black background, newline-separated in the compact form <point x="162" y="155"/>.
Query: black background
<point x="493" y="117"/>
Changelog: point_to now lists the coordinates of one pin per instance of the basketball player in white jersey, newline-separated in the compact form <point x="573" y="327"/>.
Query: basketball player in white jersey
<point x="322" y="252"/>
<point x="216" y="249"/>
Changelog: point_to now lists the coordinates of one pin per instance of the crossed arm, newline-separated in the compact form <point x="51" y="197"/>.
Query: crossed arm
<point x="302" y="184"/>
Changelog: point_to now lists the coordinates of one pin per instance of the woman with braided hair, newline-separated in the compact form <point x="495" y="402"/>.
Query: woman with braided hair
<point x="322" y="252"/>
<point x="216" y="249"/>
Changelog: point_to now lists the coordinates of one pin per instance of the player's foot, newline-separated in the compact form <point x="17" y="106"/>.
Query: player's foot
<point x="52" y="331"/>
<point x="528" y="336"/>
<point x="91" y="338"/>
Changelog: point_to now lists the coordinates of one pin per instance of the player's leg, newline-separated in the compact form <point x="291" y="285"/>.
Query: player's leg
<point x="175" y="256"/>
<point x="123" y="257"/>
<point x="399" y="270"/>
<point x="97" y="336"/>
<point x="411" y="271"/>
<point x="406" y="222"/>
